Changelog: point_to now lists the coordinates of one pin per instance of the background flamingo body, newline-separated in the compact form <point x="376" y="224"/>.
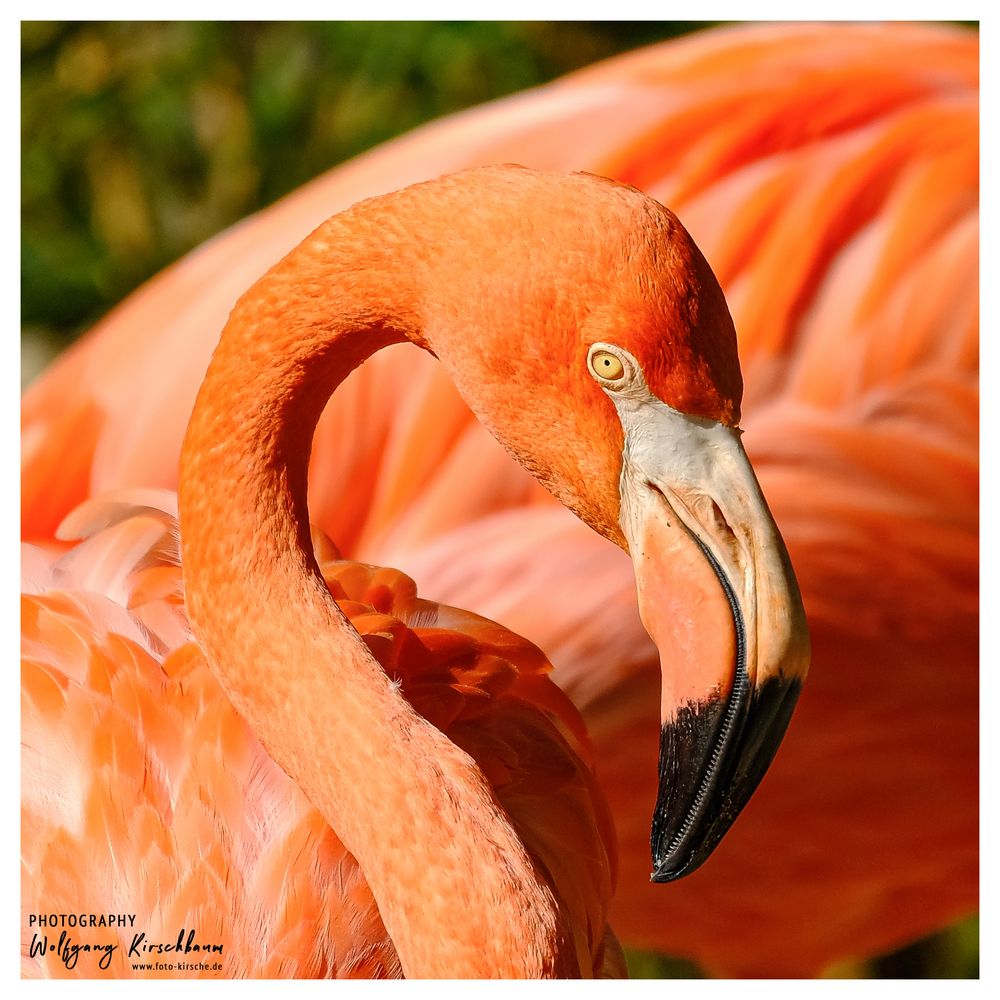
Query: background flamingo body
<point x="830" y="175"/>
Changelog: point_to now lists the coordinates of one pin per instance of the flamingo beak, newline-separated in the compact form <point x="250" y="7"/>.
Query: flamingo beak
<point x="718" y="597"/>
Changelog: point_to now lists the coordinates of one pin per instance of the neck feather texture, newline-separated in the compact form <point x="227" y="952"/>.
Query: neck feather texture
<point x="458" y="892"/>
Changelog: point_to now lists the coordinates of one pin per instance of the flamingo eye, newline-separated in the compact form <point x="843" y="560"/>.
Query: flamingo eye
<point x="605" y="365"/>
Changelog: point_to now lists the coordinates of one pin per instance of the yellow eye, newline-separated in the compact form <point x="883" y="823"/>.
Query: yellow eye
<point x="606" y="365"/>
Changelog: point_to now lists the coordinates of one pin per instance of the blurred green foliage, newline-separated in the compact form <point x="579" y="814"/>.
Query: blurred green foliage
<point x="650" y="965"/>
<point x="952" y="953"/>
<point x="140" y="140"/>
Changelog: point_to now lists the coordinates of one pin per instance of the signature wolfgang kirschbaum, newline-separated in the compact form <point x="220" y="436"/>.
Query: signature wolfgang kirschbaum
<point x="71" y="935"/>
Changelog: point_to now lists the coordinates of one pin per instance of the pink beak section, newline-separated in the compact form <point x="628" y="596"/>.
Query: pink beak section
<point x="687" y="614"/>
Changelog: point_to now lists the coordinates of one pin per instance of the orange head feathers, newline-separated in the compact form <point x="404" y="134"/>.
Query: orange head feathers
<point x="530" y="271"/>
<point x="521" y="283"/>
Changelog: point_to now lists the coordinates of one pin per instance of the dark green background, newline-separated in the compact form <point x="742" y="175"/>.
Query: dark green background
<point x="141" y="140"/>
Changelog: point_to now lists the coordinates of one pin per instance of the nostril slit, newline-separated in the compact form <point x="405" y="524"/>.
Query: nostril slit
<point x="723" y="532"/>
<point x="720" y="529"/>
<point x="720" y="521"/>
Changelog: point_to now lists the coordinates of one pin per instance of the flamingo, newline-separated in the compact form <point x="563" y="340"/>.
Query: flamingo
<point x="830" y="174"/>
<point x="593" y="340"/>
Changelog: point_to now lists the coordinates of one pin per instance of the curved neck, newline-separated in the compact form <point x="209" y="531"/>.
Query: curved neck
<point x="458" y="892"/>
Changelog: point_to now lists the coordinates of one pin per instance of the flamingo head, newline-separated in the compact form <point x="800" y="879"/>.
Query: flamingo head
<point x="613" y="376"/>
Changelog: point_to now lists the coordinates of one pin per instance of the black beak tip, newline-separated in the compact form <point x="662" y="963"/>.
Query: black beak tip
<point x="712" y="757"/>
<point x="688" y="859"/>
<point x="672" y="870"/>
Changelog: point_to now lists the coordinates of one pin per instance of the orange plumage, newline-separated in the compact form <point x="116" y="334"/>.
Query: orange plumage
<point x="429" y="741"/>
<point x="144" y="792"/>
<point x="830" y="175"/>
